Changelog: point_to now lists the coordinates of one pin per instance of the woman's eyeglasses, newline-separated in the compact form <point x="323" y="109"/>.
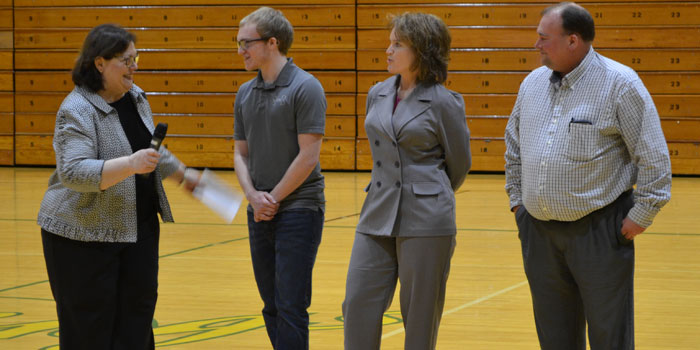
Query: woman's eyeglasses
<point x="129" y="61"/>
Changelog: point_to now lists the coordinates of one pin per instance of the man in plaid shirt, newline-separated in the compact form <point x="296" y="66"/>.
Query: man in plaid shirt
<point x="583" y="132"/>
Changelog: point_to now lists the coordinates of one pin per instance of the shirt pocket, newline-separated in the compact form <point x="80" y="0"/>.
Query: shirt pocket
<point x="582" y="142"/>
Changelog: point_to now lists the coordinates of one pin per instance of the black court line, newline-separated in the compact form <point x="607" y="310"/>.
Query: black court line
<point x="343" y="217"/>
<point x="170" y="254"/>
<point x="202" y="247"/>
<point x="162" y="223"/>
<point x="25" y="298"/>
<point x="164" y="255"/>
<point x="160" y="257"/>
<point x="22" y="286"/>
<point x="358" y="214"/>
<point x="327" y="220"/>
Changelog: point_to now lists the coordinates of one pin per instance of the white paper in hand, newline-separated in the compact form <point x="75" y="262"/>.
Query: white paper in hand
<point x="216" y="195"/>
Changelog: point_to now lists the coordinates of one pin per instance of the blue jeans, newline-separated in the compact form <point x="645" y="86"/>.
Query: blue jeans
<point x="283" y="251"/>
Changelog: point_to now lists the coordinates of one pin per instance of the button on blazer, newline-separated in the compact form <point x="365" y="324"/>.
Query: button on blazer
<point x="420" y="156"/>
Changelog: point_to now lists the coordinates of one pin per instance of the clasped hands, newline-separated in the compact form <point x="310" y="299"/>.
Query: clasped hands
<point x="264" y="206"/>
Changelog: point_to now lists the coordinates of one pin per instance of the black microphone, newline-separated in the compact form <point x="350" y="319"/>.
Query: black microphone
<point x="157" y="139"/>
<point x="159" y="135"/>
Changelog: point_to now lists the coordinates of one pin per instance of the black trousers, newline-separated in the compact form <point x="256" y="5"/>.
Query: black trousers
<point x="581" y="272"/>
<point x="105" y="293"/>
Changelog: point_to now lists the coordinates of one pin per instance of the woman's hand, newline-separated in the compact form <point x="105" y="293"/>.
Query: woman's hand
<point x="190" y="179"/>
<point x="144" y="161"/>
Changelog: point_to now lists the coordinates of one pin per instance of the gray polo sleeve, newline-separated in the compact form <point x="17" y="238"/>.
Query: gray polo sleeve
<point x="238" y="128"/>
<point x="310" y="107"/>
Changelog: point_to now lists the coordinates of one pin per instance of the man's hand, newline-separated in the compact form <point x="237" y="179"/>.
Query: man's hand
<point x="264" y="206"/>
<point x="630" y="229"/>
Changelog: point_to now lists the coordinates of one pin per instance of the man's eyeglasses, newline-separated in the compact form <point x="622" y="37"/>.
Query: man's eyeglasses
<point x="129" y="61"/>
<point x="243" y="44"/>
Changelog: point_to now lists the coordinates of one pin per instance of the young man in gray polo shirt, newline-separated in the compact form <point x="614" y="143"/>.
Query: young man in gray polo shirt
<point x="279" y="126"/>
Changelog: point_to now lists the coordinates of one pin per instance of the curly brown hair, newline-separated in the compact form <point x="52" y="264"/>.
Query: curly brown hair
<point x="430" y="40"/>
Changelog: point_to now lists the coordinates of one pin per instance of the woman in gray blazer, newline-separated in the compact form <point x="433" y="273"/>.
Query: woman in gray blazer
<point x="420" y="150"/>
<point x="98" y="219"/>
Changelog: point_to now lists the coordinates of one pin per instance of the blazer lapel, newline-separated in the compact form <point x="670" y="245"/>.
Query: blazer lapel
<point x="416" y="103"/>
<point x="138" y="96"/>
<point x="385" y="106"/>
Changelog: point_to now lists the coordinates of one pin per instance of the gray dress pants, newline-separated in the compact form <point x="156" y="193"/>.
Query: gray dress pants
<point x="581" y="272"/>
<point x="421" y="264"/>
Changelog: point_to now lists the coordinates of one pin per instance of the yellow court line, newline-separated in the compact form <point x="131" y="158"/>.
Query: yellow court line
<point x="463" y="306"/>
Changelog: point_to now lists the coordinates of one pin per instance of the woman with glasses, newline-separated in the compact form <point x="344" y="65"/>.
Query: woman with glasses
<point x="98" y="218"/>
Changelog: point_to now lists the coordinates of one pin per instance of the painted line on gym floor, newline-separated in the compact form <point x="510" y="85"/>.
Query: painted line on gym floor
<point x="25" y="298"/>
<point x="22" y="286"/>
<point x="343" y="217"/>
<point x="687" y="234"/>
<point x="202" y="247"/>
<point x="464" y="306"/>
<point x="160" y="257"/>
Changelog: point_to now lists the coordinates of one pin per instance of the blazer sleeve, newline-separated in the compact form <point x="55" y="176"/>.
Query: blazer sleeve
<point x="168" y="163"/>
<point x="454" y="137"/>
<point x="368" y="104"/>
<point x="75" y="144"/>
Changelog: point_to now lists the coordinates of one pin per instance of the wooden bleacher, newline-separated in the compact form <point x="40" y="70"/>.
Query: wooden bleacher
<point x="45" y="3"/>
<point x="492" y="53"/>
<point x="191" y="71"/>
<point x="6" y="85"/>
<point x="188" y="66"/>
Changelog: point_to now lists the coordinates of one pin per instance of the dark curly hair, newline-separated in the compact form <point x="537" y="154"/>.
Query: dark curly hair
<point x="105" y="40"/>
<point x="430" y="40"/>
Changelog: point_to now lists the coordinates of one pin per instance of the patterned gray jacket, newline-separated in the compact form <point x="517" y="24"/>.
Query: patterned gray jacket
<point x="87" y="133"/>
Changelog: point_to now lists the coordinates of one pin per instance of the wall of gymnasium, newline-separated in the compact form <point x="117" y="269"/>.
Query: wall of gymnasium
<point x="191" y="72"/>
